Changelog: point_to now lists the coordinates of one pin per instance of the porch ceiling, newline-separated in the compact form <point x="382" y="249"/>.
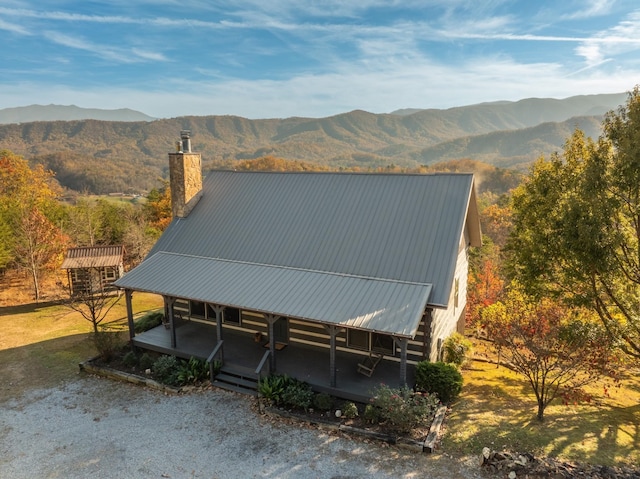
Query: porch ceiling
<point x="385" y="306"/>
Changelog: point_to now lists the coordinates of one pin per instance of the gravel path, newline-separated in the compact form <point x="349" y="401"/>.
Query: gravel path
<point x="94" y="427"/>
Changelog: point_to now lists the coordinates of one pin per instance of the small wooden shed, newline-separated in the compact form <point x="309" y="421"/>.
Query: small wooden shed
<point x="93" y="269"/>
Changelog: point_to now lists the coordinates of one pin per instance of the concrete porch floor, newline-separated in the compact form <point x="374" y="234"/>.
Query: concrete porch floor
<point x="304" y="362"/>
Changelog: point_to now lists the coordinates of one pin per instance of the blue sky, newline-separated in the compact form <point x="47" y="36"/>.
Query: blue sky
<point x="282" y="58"/>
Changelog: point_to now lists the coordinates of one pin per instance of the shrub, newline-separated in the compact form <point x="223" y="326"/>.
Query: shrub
<point x="146" y="361"/>
<point x="271" y="388"/>
<point x="457" y="349"/>
<point x="349" y="410"/>
<point x="323" y="401"/>
<point x="371" y="414"/>
<point x="440" y="378"/>
<point x="130" y="359"/>
<point x="297" y="394"/>
<point x="148" y="321"/>
<point x="165" y="370"/>
<point x="107" y="343"/>
<point x="402" y="409"/>
<point x="192" y="371"/>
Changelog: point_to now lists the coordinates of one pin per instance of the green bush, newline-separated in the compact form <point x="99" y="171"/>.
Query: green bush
<point x="349" y="410"/>
<point x="297" y="395"/>
<point x="323" y="401"/>
<point x="457" y="349"/>
<point x="371" y="414"/>
<point x="165" y="369"/>
<point x="271" y="388"/>
<point x="439" y="378"/>
<point x="402" y="409"/>
<point x="130" y="359"/>
<point x="192" y="371"/>
<point x="148" y="321"/>
<point x="107" y="343"/>
<point x="146" y="361"/>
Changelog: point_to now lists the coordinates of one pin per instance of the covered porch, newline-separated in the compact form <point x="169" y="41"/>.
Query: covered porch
<point x="308" y="363"/>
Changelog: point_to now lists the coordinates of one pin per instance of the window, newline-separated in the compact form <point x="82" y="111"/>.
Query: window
<point x="382" y="343"/>
<point x="358" y="339"/>
<point x="367" y="341"/>
<point x="109" y="274"/>
<point x="456" y="293"/>
<point x="196" y="309"/>
<point x="231" y="316"/>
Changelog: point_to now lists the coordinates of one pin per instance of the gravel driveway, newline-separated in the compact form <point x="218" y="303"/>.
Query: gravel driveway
<point x="98" y="428"/>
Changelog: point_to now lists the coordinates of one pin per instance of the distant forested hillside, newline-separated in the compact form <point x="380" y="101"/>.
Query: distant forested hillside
<point x="106" y="156"/>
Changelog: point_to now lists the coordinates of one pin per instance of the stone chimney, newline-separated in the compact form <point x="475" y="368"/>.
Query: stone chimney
<point x="185" y="173"/>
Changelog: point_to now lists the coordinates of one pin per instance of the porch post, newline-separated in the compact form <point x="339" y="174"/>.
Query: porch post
<point x="271" y="319"/>
<point x="402" y="342"/>
<point x="427" y="319"/>
<point x="172" y="324"/>
<point x="332" y="355"/>
<point x="132" y="329"/>
<point x="218" y="310"/>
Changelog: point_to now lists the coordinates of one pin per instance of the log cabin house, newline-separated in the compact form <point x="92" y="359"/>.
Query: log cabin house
<point x="343" y="280"/>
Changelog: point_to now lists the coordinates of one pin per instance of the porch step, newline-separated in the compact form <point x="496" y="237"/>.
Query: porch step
<point x="238" y="379"/>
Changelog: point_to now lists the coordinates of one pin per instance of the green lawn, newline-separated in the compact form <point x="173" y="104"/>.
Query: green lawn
<point x="497" y="409"/>
<point x="42" y="344"/>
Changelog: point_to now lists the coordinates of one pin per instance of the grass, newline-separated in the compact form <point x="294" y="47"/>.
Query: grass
<point x="497" y="409"/>
<point x="42" y="343"/>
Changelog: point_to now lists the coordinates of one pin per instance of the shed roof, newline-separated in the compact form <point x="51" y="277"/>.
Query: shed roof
<point x="93" y="257"/>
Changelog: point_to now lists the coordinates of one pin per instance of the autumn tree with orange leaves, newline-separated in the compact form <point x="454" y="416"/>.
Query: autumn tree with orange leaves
<point x="28" y="205"/>
<point x="558" y="349"/>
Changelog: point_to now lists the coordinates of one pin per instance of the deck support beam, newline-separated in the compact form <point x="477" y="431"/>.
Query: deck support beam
<point x="333" y="331"/>
<point x="132" y="329"/>
<point x="271" y="320"/>
<point x="169" y="301"/>
<point x="219" y="311"/>
<point x="402" y="343"/>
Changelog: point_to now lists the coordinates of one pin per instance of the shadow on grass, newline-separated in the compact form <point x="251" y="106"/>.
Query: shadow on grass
<point x="42" y="364"/>
<point x="497" y="410"/>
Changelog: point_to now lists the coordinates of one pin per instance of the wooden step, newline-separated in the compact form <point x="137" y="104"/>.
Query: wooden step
<point x="232" y="387"/>
<point x="236" y="381"/>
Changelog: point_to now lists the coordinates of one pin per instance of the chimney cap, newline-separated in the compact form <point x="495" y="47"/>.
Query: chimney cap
<point x="185" y="134"/>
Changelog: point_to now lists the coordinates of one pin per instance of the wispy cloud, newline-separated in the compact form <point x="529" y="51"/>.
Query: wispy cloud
<point x="118" y="55"/>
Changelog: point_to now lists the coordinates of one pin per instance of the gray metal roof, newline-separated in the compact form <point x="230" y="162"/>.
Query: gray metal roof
<point x="366" y="303"/>
<point x="392" y="229"/>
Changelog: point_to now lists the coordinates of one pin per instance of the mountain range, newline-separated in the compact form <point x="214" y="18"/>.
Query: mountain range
<point x="133" y="153"/>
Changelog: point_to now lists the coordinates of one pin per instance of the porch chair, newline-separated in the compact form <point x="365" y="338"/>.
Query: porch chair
<point x="368" y="365"/>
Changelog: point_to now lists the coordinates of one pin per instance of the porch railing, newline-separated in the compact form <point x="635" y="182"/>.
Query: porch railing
<point x="212" y="356"/>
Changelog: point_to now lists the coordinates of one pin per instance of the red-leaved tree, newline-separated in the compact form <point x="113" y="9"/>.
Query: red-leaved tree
<point x="559" y="350"/>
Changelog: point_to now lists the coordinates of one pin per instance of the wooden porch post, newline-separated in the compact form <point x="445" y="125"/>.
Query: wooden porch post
<point x="426" y="334"/>
<point x="333" y="331"/>
<point x="271" y="319"/>
<point x="132" y="330"/>
<point x="218" y="310"/>
<point x="402" y="342"/>
<point x="172" y="325"/>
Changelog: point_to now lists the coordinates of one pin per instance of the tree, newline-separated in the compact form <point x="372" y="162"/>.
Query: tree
<point x="559" y="350"/>
<point x="28" y="204"/>
<point x="576" y="232"/>
<point x="92" y="300"/>
<point x="158" y="207"/>
<point x="485" y="288"/>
